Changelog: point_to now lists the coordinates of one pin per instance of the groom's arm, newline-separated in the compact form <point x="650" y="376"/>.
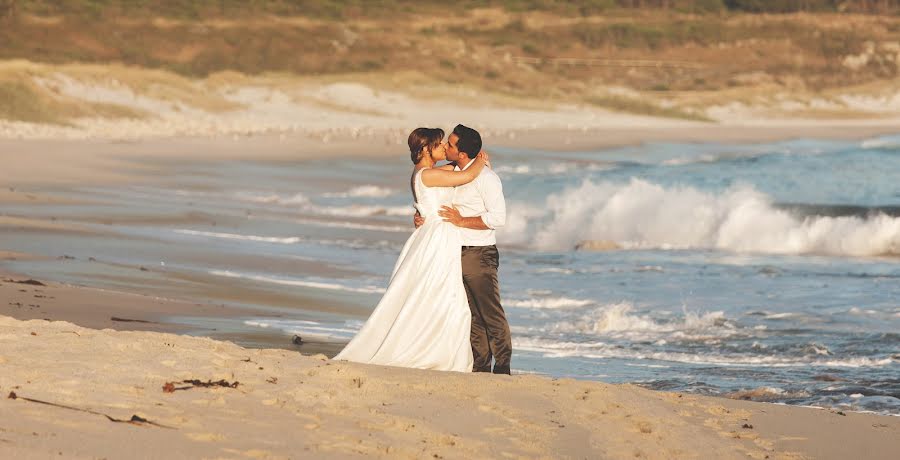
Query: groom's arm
<point x="452" y="215"/>
<point x="494" y="217"/>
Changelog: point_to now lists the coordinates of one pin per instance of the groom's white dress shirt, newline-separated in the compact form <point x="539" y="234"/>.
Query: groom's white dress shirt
<point x="483" y="197"/>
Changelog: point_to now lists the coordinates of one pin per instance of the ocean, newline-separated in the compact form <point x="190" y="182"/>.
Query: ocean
<point x="759" y="271"/>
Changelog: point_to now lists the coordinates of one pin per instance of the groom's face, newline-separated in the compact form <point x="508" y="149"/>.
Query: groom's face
<point x="452" y="149"/>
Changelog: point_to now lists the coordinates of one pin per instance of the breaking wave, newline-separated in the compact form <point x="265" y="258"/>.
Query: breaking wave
<point x="620" y="319"/>
<point x="643" y="215"/>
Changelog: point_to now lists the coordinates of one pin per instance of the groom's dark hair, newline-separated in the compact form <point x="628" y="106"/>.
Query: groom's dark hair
<point x="469" y="141"/>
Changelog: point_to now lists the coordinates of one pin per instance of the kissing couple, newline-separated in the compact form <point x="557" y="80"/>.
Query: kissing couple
<point x="441" y="309"/>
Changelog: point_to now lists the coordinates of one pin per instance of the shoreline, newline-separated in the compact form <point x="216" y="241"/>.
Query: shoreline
<point x="48" y="162"/>
<point x="39" y="171"/>
<point x="101" y="309"/>
<point x="98" y="308"/>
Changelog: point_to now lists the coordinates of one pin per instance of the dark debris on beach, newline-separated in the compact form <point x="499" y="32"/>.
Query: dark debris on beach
<point x="30" y="281"/>
<point x="170" y="387"/>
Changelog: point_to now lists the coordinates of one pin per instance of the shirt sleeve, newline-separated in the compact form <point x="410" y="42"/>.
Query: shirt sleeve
<point x="492" y="194"/>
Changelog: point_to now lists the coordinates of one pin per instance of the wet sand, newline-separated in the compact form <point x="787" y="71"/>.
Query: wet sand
<point x="59" y="162"/>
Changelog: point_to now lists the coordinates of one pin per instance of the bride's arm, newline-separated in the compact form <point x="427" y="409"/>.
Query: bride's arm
<point x="452" y="166"/>
<point x="444" y="178"/>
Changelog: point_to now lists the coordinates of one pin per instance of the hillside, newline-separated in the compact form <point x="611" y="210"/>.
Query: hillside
<point x="713" y="64"/>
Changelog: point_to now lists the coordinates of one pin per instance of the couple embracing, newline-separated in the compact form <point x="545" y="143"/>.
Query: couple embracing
<point x="441" y="309"/>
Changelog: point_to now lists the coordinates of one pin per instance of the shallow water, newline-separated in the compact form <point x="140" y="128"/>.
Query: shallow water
<point x="764" y="271"/>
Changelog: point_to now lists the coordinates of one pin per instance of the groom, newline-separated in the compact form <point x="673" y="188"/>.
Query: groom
<point x="478" y="209"/>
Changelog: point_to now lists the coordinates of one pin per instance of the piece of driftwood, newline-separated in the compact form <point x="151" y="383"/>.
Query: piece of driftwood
<point x="134" y="420"/>
<point x="128" y="320"/>
<point x="170" y="387"/>
<point x="30" y="281"/>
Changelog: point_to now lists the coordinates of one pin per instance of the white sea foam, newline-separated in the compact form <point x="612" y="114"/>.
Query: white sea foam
<point x="299" y="282"/>
<point x="307" y="329"/>
<point x="779" y="315"/>
<point x="234" y="236"/>
<point x="643" y="215"/>
<point x="600" y="350"/>
<point x="358" y="226"/>
<point x="617" y="320"/>
<point x="515" y="169"/>
<point x="553" y="169"/>
<point x="272" y="198"/>
<point x="680" y="161"/>
<point x="859" y="311"/>
<point x="362" y="210"/>
<point x="564" y="271"/>
<point x="890" y="142"/>
<point x="353" y="243"/>
<point x="548" y="302"/>
<point x="301" y="202"/>
<point x="363" y="191"/>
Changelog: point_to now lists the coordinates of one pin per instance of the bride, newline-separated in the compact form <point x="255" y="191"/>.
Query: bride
<point x="424" y="320"/>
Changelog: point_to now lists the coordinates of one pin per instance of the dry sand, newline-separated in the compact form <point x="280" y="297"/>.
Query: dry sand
<point x="286" y="405"/>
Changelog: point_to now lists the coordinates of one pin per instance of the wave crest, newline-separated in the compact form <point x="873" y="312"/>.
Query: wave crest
<point x="643" y="215"/>
<point x="620" y="318"/>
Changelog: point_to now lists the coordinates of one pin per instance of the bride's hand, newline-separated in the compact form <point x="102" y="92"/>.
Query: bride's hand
<point x="484" y="157"/>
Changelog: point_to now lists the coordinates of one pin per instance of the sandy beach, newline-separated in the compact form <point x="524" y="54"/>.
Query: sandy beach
<point x="281" y="404"/>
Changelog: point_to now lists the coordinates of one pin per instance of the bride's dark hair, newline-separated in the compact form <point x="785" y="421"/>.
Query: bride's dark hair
<point x="422" y="138"/>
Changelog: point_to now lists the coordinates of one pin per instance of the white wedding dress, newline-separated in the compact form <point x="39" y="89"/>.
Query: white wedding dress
<point x="423" y="320"/>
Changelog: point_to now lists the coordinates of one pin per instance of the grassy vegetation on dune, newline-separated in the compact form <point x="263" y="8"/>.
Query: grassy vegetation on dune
<point x="22" y="100"/>
<point x="346" y="9"/>
<point x="638" y="106"/>
<point x="536" y="49"/>
<point x="33" y="93"/>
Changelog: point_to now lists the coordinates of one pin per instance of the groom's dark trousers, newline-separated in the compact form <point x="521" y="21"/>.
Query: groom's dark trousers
<point x="490" y="330"/>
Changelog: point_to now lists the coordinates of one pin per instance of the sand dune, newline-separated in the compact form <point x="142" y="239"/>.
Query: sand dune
<point x="115" y="102"/>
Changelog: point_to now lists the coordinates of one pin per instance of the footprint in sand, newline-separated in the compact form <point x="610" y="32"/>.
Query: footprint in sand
<point x="644" y="427"/>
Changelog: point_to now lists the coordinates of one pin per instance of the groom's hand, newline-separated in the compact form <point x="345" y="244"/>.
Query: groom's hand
<point x="451" y="214"/>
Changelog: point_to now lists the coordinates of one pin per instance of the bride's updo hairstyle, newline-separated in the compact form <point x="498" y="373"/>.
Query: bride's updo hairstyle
<point x="422" y="140"/>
